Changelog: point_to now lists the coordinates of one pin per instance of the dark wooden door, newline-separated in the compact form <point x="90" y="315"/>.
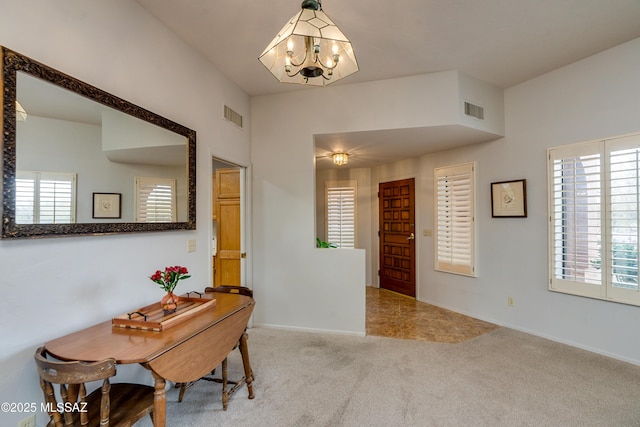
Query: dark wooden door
<point x="397" y="236"/>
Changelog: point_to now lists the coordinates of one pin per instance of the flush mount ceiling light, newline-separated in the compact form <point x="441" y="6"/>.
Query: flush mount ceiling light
<point x="310" y="49"/>
<point x="340" y="159"/>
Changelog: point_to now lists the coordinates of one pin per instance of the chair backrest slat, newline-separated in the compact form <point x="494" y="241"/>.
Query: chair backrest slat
<point x="71" y="378"/>
<point x="76" y="407"/>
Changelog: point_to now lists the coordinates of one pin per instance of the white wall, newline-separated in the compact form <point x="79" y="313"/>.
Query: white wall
<point x="299" y="286"/>
<point x="62" y="146"/>
<point x="51" y="287"/>
<point x="593" y="98"/>
<point x="295" y="284"/>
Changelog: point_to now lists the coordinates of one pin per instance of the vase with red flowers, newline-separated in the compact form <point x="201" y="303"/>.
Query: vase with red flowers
<point x="168" y="280"/>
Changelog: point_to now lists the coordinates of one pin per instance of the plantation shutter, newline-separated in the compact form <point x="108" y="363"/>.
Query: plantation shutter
<point x="341" y="213"/>
<point x="155" y="199"/>
<point x="624" y="208"/>
<point x="594" y="205"/>
<point x="25" y="197"/>
<point x="455" y="219"/>
<point x="45" y="197"/>
<point x="577" y="215"/>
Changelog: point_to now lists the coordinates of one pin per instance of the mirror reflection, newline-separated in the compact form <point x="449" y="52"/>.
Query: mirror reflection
<point x="69" y="147"/>
<point x="88" y="162"/>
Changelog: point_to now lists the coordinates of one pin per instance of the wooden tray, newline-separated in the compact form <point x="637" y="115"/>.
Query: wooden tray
<point x="152" y="317"/>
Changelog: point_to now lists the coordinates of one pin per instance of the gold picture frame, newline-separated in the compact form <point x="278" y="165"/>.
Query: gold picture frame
<point x="509" y="199"/>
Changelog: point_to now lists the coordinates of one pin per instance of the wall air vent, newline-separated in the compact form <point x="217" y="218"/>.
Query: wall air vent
<point x="232" y="116"/>
<point x="474" y="110"/>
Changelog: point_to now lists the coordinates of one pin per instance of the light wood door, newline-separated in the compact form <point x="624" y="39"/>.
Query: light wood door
<point x="228" y="228"/>
<point x="397" y="236"/>
<point x="228" y="183"/>
<point x="228" y="255"/>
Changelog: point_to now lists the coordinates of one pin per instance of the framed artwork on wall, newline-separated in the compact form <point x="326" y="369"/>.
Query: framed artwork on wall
<point x="509" y="199"/>
<point x="107" y="205"/>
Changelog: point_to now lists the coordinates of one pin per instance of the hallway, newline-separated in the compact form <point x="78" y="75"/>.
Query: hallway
<point x="394" y="315"/>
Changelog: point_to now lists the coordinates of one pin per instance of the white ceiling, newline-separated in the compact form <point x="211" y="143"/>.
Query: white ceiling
<point x="500" y="42"/>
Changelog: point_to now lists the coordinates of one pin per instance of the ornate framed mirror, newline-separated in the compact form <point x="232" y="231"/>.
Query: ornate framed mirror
<point x="65" y="141"/>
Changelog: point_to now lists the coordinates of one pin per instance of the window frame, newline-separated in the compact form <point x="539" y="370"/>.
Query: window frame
<point x="141" y="182"/>
<point x="456" y="266"/>
<point x="37" y="177"/>
<point x="602" y="286"/>
<point x="342" y="184"/>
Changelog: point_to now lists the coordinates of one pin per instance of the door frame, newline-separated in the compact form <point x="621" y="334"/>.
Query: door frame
<point x="414" y="266"/>
<point x="245" y="221"/>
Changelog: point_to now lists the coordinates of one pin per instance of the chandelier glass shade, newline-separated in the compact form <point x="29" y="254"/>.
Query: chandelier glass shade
<point x="340" y="159"/>
<point x="310" y="49"/>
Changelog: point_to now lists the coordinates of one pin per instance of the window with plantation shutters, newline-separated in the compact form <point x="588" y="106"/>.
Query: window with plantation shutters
<point x="341" y="213"/>
<point x="455" y="219"/>
<point x="45" y="197"/>
<point x="594" y="201"/>
<point x="155" y="199"/>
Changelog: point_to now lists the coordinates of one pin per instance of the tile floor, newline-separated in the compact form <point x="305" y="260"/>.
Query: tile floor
<point x="390" y="314"/>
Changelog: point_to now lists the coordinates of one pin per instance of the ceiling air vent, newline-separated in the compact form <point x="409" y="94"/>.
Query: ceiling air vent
<point x="232" y="116"/>
<point x="474" y="111"/>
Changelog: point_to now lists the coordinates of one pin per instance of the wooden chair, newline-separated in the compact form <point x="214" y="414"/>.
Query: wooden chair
<point x="110" y="404"/>
<point x="248" y="378"/>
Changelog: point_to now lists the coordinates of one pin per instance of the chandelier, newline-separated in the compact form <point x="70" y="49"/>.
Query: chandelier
<point x="310" y="49"/>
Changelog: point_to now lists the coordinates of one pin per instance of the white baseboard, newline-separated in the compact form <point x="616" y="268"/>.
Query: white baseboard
<point x="313" y="330"/>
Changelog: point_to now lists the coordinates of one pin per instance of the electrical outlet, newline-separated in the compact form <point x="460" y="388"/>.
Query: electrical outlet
<point x="511" y="301"/>
<point x="30" y="421"/>
<point x="191" y="245"/>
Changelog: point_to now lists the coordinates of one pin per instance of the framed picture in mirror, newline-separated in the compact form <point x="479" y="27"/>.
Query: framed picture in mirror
<point x="107" y="205"/>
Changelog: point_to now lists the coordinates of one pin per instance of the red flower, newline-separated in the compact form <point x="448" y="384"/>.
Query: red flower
<point x="170" y="277"/>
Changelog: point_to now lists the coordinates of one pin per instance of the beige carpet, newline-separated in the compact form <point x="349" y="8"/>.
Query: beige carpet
<point x="501" y="378"/>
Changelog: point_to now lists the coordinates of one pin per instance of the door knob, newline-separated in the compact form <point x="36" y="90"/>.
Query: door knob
<point x="411" y="237"/>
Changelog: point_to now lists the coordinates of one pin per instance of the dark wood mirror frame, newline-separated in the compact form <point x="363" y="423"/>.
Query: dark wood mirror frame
<point x="12" y="62"/>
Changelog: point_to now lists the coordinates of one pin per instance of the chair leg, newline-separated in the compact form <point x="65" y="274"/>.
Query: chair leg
<point x="183" y="388"/>
<point x="226" y="391"/>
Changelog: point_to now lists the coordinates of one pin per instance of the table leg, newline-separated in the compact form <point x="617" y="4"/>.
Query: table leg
<point x="248" y="373"/>
<point x="225" y="383"/>
<point x="159" y="401"/>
